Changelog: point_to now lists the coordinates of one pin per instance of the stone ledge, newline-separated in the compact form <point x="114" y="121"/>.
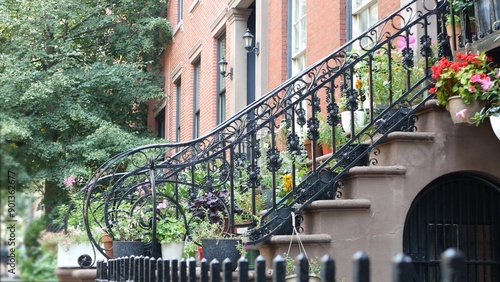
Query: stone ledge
<point x="339" y="204"/>
<point x="304" y="238"/>
<point x="85" y="274"/>
<point x="410" y="136"/>
<point x="358" y="171"/>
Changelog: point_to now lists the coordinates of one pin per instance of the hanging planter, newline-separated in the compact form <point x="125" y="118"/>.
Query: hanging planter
<point x="495" y="125"/>
<point x="461" y="113"/>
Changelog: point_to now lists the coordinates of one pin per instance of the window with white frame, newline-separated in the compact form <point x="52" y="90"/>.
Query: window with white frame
<point x="299" y="36"/>
<point x="365" y="15"/>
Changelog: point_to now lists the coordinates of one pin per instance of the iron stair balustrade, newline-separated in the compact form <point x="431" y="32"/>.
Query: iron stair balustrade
<point x="234" y="147"/>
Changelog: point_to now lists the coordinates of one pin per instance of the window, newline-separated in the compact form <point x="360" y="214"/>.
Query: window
<point x="178" y="111"/>
<point x="365" y="15"/>
<point x="221" y="81"/>
<point x="160" y="124"/>
<point x="196" y="100"/>
<point x="299" y="36"/>
<point x="180" y="3"/>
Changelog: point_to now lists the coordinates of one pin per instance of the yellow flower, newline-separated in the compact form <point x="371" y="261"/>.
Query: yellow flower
<point x="359" y="84"/>
<point x="287" y="182"/>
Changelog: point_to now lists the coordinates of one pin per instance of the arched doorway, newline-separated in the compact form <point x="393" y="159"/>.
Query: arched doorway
<point x="460" y="211"/>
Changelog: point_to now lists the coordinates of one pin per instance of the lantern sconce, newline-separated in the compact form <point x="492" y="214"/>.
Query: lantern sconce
<point x="223" y="68"/>
<point x="248" y="37"/>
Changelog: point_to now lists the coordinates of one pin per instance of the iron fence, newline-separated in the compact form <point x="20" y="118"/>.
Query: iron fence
<point x="145" y="269"/>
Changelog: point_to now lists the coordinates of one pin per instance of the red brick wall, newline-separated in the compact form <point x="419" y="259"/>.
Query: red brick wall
<point x="194" y="27"/>
<point x="325" y="28"/>
<point x="277" y="42"/>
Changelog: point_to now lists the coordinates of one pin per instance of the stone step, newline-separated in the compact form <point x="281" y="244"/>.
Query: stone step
<point x="315" y="245"/>
<point x="361" y="181"/>
<point x="400" y="148"/>
<point x="318" y="216"/>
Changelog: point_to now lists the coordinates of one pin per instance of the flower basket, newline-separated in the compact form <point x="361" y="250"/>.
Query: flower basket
<point x="471" y="81"/>
<point x="462" y="113"/>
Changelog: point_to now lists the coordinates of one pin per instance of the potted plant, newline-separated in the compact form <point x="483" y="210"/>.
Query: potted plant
<point x="127" y="234"/>
<point x="351" y="107"/>
<point x="171" y="232"/>
<point x="385" y="74"/>
<point x="464" y="85"/>
<point x="209" y="214"/>
<point x="291" y="274"/>
<point x="72" y="239"/>
<point x="326" y="135"/>
<point x="215" y="244"/>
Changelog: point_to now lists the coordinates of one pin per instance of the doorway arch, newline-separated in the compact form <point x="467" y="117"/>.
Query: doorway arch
<point x="461" y="211"/>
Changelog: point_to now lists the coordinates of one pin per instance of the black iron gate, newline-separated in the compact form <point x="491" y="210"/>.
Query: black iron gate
<point x="459" y="211"/>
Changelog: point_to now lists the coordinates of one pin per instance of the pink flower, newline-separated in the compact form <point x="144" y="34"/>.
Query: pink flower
<point x="68" y="182"/>
<point x="162" y="205"/>
<point x="461" y="113"/>
<point x="486" y="83"/>
<point x="401" y="43"/>
<point x="475" y="78"/>
<point x="140" y="191"/>
<point x="498" y="74"/>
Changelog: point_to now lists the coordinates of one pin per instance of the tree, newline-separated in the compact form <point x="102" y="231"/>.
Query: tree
<point x="75" y="76"/>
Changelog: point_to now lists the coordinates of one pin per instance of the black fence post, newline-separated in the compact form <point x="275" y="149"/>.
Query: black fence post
<point x="361" y="267"/>
<point x="301" y="266"/>
<point x="192" y="270"/>
<point x="327" y="272"/>
<point x="227" y="270"/>
<point x="452" y="266"/>
<point x="136" y="268"/>
<point x="260" y="269"/>
<point x="279" y="269"/>
<point x="215" y="271"/>
<point x="183" y="271"/>
<point x="402" y="268"/>
<point x="204" y="270"/>
<point x="242" y="270"/>
<point x="174" y="270"/>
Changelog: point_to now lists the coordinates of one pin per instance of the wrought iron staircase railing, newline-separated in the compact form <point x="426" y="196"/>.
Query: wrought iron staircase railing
<point x="226" y="173"/>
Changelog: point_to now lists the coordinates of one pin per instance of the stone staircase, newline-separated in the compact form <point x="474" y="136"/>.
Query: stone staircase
<point x="371" y="213"/>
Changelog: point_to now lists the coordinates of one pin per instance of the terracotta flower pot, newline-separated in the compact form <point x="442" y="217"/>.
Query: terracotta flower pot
<point x="107" y="242"/>
<point x="461" y="113"/>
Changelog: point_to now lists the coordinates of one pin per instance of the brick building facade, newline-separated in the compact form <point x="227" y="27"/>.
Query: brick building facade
<point x="292" y="34"/>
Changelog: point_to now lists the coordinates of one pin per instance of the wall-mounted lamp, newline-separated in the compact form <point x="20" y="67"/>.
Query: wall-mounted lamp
<point x="223" y="68"/>
<point x="248" y="37"/>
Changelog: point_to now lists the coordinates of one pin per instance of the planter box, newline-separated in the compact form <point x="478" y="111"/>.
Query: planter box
<point x="67" y="256"/>
<point x="221" y="249"/>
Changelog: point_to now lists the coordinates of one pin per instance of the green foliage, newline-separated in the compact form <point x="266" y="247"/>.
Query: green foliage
<point x="326" y="133"/>
<point x="75" y="76"/>
<point x="170" y="230"/>
<point x="35" y="263"/>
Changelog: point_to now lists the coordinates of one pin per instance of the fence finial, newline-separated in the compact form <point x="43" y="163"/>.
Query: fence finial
<point x="361" y="267"/>
<point x="402" y="268"/>
<point x="452" y="266"/>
